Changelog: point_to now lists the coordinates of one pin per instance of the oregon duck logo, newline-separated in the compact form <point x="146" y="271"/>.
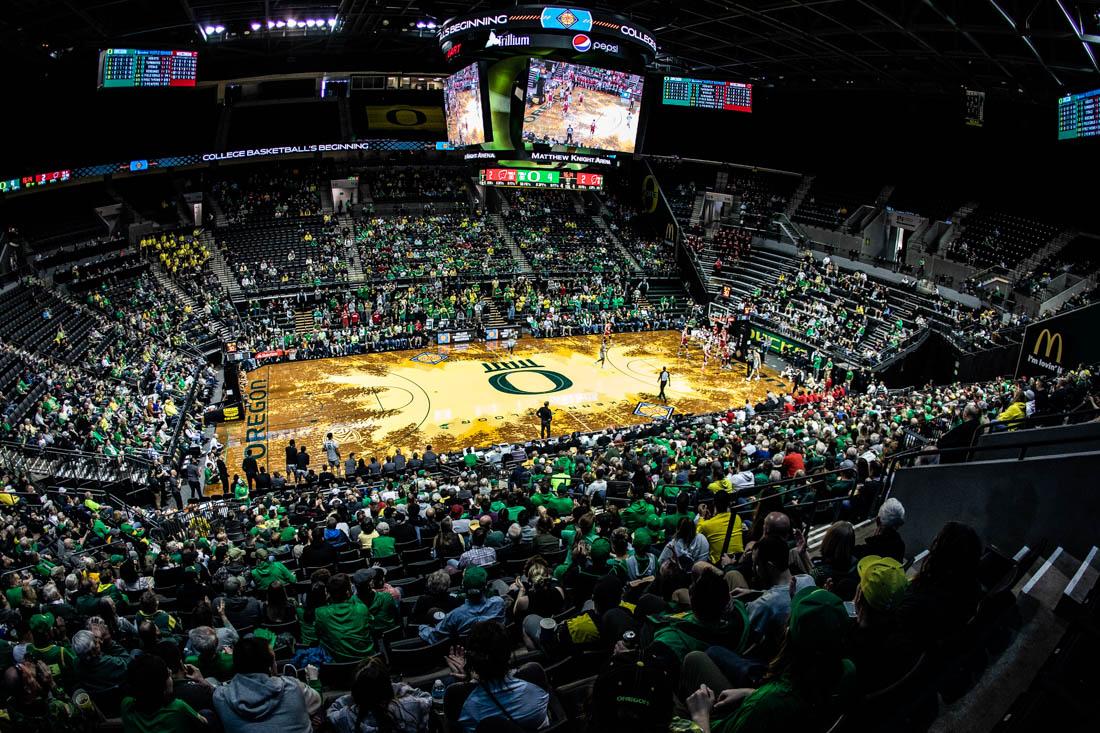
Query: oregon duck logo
<point x="501" y="373"/>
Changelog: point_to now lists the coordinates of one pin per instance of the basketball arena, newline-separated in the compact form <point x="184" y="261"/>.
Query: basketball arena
<point x="449" y="367"/>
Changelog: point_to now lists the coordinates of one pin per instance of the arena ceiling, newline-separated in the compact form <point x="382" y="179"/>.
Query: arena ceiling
<point x="1030" y="47"/>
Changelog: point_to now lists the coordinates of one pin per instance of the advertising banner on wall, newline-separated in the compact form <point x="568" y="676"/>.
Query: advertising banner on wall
<point x="1065" y="342"/>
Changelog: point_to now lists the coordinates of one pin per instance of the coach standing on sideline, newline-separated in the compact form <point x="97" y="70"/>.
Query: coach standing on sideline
<point x="250" y="468"/>
<point x="546" y="416"/>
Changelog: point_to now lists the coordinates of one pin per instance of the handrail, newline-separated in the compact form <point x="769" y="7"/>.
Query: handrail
<point x="1033" y="422"/>
<point x="896" y="461"/>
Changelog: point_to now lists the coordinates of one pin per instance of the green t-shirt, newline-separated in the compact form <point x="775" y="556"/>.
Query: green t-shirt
<point x="59" y="659"/>
<point x="344" y="630"/>
<point x="267" y="572"/>
<point x="383" y="546"/>
<point x="777" y="707"/>
<point x="383" y="612"/>
<point x="563" y="505"/>
<point x="220" y="666"/>
<point x="174" y="717"/>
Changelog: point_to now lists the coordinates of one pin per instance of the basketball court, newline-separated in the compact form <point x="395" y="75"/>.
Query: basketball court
<point x="616" y="129"/>
<point x="464" y="118"/>
<point x="473" y="395"/>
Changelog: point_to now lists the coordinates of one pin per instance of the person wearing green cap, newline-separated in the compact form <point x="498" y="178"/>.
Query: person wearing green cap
<point x="268" y="570"/>
<point x="809" y="682"/>
<point x="643" y="563"/>
<point x="637" y="514"/>
<point x="707" y="624"/>
<point x="344" y="625"/>
<point x="43" y="648"/>
<point x="478" y="607"/>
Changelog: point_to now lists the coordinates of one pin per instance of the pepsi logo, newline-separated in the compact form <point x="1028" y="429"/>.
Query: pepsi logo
<point x="581" y="42"/>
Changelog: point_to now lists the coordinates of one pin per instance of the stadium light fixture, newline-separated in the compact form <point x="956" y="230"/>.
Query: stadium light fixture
<point x="270" y="24"/>
<point x="255" y="26"/>
<point x="291" y="23"/>
<point x="209" y="30"/>
<point x="311" y="23"/>
<point x="219" y="29"/>
<point x="280" y="24"/>
<point x="421" y="24"/>
<point x="332" y="22"/>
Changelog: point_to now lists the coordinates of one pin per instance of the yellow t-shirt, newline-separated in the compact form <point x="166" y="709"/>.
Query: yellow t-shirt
<point x="714" y="529"/>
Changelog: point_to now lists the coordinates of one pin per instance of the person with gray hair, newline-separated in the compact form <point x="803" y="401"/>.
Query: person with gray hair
<point x="962" y="435"/>
<point x="886" y="541"/>
<point x="207" y="656"/>
<point x="95" y="670"/>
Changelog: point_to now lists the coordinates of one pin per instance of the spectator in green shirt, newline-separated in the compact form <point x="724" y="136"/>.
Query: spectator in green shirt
<point x="211" y="661"/>
<point x="383" y="608"/>
<point x="810" y="681"/>
<point x="59" y="659"/>
<point x="344" y="625"/>
<point x="268" y="570"/>
<point x="383" y="545"/>
<point x="152" y="709"/>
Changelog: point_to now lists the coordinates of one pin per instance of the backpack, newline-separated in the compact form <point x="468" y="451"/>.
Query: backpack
<point x="632" y="695"/>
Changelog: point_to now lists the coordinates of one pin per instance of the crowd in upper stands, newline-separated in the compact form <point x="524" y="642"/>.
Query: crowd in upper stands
<point x="837" y="309"/>
<point x="448" y="245"/>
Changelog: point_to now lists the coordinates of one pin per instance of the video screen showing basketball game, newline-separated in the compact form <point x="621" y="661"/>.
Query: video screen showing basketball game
<point x="583" y="106"/>
<point x="463" y="104"/>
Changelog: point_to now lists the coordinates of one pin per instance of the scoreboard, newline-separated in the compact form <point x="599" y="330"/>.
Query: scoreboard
<point x="38" y="179"/>
<point x="540" y="178"/>
<point x="681" y="91"/>
<point x="135" y="67"/>
<point x="1079" y="115"/>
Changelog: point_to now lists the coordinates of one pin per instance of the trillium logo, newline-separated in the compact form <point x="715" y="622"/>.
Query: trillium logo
<point x="581" y="42"/>
<point x="507" y="39"/>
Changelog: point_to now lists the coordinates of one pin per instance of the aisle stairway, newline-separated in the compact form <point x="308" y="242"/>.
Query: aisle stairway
<point x="523" y="267"/>
<point x="221" y="269"/>
<point x="222" y="331"/>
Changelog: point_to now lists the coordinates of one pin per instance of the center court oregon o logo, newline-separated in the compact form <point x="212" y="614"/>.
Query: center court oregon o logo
<point x="502" y="371"/>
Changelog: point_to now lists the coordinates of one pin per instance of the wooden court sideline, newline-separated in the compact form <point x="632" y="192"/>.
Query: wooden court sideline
<point x="473" y="395"/>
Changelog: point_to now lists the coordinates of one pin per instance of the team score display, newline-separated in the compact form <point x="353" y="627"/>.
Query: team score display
<point x="732" y="96"/>
<point x="537" y="178"/>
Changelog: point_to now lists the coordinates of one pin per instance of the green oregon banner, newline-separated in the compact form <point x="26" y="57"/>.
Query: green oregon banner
<point x="777" y="344"/>
<point x="406" y="117"/>
<point x="1063" y="342"/>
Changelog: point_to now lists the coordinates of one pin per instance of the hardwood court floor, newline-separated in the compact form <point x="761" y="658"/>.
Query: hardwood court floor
<point x="477" y="396"/>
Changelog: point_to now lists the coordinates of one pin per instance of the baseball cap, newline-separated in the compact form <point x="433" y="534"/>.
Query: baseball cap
<point x="41" y="623"/>
<point x="600" y="551"/>
<point x="882" y="582"/>
<point x="818" y="622"/>
<point x="475" y="578"/>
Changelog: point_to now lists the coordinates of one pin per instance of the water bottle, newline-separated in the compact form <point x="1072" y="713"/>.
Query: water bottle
<point x="438" y="690"/>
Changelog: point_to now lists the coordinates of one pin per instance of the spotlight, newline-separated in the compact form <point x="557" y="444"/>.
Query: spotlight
<point x="255" y="26"/>
<point x="421" y="24"/>
<point x="431" y="24"/>
<point x="280" y="24"/>
<point x="291" y="23"/>
<point x="311" y="23"/>
<point x="270" y="24"/>
<point x="209" y="30"/>
<point x="332" y="22"/>
<point x="219" y="29"/>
